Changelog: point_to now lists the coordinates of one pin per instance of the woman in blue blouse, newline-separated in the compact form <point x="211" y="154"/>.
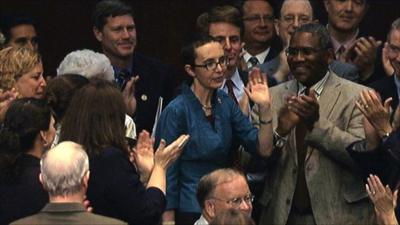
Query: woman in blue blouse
<point x="211" y="118"/>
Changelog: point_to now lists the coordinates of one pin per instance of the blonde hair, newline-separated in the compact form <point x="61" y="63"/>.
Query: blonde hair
<point x="15" y="62"/>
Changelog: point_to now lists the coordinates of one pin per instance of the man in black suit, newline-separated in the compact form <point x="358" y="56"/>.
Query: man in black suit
<point x="114" y="27"/>
<point x="261" y="43"/>
<point x="65" y="175"/>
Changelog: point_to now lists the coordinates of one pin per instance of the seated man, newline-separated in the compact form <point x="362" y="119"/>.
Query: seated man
<point x="221" y="190"/>
<point x="65" y="175"/>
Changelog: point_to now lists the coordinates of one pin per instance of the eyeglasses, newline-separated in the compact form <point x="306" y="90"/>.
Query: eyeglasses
<point x="306" y="51"/>
<point x="236" y="202"/>
<point x="212" y="65"/>
<point x="259" y="18"/>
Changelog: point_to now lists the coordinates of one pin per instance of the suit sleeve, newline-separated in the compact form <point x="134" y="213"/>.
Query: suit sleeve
<point x="332" y="140"/>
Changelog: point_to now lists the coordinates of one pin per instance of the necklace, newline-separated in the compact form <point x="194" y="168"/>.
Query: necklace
<point x="205" y="107"/>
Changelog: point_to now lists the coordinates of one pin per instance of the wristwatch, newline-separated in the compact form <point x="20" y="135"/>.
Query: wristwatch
<point x="279" y="141"/>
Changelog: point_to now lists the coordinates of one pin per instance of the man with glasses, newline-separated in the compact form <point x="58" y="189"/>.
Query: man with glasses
<point x="261" y="43"/>
<point x="221" y="190"/>
<point x="312" y="178"/>
<point x="292" y="14"/>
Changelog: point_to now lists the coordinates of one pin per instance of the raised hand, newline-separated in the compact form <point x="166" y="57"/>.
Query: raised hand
<point x="6" y="97"/>
<point x="376" y="113"/>
<point x="306" y="107"/>
<point x="363" y="55"/>
<point x="287" y="120"/>
<point x="166" y="155"/>
<point x="383" y="198"/>
<point x="128" y="93"/>
<point x="257" y="88"/>
<point x="387" y="66"/>
<point x="143" y="155"/>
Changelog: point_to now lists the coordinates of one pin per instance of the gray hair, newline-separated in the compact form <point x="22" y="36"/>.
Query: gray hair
<point x="317" y="30"/>
<point x="209" y="182"/>
<point x="395" y="26"/>
<point x="88" y="64"/>
<point x="63" y="167"/>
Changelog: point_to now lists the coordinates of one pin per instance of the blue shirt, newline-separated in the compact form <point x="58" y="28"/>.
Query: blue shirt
<point x="208" y="147"/>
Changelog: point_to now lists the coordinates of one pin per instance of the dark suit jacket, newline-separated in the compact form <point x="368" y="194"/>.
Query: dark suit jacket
<point x="344" y="70"/>
<point x="337" y="192"/>
<point x="386" y="87"/>
<point x="156" y="80"/>
<point x="115" y="190"/>
<point x="66" y="213"/>
<point x="22" y="194"/>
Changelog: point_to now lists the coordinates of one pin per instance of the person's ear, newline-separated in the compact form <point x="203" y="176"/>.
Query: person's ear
<point x="85" y="179"/>
<point x="276" y="25"/>
<point x="43" y="136"/>
<point x="330" y="55"/>
<point x="189" y="70"/>
<point x="209" y="208"/>
<point x="98" y="34"/>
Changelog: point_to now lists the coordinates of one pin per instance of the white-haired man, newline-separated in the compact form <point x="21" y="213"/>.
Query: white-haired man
<point x="65" y="175"/>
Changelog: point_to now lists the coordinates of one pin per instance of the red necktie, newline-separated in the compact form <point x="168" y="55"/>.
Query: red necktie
<point x="229" y="84"/>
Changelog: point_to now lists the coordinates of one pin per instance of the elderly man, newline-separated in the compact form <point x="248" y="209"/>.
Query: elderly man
<point x="220" y="190"/>
<point x="19" y="31"/>
<point x="65" y="175"/>
<point x="261" y="44"/>
<point x="114" y="27"/>
<point x="312" y="179"/>
<point x="294" y="13"/>
<point x="349" y="44"/>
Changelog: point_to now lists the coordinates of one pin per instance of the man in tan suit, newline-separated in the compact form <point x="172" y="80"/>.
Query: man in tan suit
<point x="312" y="179"/>
<point x="65" y="175"/>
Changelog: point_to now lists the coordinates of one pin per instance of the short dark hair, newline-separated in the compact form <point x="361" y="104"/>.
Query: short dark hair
<point x="23" y="122"/>
<point x="188" y="51"/>
<point x="209" y="182"/>
<point x="10" y="21"/>
<point x="107" y="8"/>
<point x="317" y="30"/>
<point x="220" y="14"/>
<point x="240" y="3"/>
<point x="60" y="90"/>
<point x="95" y="118"/>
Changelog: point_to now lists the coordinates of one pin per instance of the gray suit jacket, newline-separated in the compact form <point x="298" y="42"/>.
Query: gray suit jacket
<point x="336" y="189"/>
<point x="345" y="70"/>
<point x="66" y="213"/>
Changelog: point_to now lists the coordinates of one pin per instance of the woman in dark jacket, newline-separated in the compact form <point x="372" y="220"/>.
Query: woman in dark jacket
<point x="95" y="119"/>
<point x="28" y="129"/>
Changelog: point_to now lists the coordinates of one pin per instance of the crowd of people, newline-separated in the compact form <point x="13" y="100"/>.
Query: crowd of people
<point x="282" y="120"/>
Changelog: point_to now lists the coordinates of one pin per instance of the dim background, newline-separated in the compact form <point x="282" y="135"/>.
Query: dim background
<point x="162" y="26"/>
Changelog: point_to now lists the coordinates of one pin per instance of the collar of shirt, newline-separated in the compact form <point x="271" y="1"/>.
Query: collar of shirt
<point x="318" y="87"/>
<point x="117" y="70"/>
<point x="346" y="44"/>
<point x="238" y="85"/>
<point x="397" y="82"/>
<point x="201" y="221"/>
<point x="260" y="57"/>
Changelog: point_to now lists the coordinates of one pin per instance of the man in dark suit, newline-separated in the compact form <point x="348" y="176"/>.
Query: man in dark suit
<point x="115" y="29"/>
<point x="65" y="175"/>
<point x="294" y="13"/>
<point x="312" y="179"/>
<point x="350" y="45"/>
<point x="261" y="43"/>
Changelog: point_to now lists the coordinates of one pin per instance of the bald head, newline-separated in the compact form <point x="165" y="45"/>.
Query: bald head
<point x="63" y="169"/>
<point x="292" y="15"/>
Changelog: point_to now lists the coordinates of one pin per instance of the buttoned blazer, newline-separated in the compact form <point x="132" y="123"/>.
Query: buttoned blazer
<point x="335" y="186"/>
